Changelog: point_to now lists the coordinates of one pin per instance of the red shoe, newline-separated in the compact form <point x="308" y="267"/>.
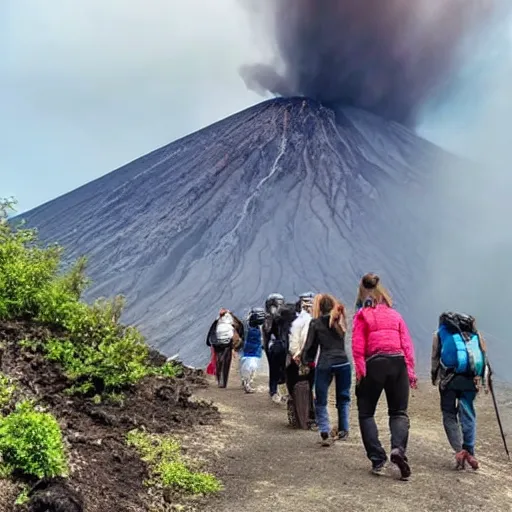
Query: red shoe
<point x="471" y="461"/>
<point x="461" y="458"/>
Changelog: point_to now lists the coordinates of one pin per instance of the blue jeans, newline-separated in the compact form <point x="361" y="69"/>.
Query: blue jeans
<point x="343" y="377"/>
<point x="459" y="418"/>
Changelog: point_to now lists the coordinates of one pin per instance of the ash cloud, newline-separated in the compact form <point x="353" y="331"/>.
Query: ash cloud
<point x="387" y="56"/>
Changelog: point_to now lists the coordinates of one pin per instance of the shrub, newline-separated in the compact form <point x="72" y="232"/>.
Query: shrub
<point x="97" y="353"/>
<point x="162" y="454"/>
<point x="7" y="389"/>
<point x="31" y="442"/>
<point x="170" y="369"/>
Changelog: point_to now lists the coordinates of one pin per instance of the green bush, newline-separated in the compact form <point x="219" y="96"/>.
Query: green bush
<point x="31" y="442"/>
<point x="97" y="353"/>
<point x="7" y="389"/>
<point x="162" y="454"/>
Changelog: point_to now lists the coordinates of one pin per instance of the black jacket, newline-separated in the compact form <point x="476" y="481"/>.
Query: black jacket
<point x="330" y="341"/>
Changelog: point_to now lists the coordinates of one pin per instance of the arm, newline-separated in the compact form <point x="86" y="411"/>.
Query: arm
<point x="295" y="338"/>
<point x="211" y="333"/>
<point x="487" y="368"/>
<point x="359" y="346"/>
<point x="311" y="346"/>
<point x="436" y="359"/>
<point x="408" y="349"/>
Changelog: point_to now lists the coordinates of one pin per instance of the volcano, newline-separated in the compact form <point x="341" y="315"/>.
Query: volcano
<point x="285" y="196"/>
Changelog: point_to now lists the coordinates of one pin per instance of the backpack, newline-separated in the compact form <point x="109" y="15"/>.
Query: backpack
<point x="256" y="317"/>
<point x="461" y="351"/>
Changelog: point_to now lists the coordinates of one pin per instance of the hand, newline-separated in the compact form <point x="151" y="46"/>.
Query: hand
<point x="413" y="383"/>
<point x="296" y="359"/>
<point x="359" y="378"/>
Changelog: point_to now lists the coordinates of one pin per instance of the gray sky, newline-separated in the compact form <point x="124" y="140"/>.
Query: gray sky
<point x="87" y="86"/>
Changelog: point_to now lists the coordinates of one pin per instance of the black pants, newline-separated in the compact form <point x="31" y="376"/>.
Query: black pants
<point x="224" y="354"/>
<point x="295" y="408"/>
<point x="388" y="373"/>
<point x="276" y="356"/>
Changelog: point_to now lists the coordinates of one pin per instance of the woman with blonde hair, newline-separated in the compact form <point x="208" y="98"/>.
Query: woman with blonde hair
<point x="325" y="345"/>
<point x="384" y="361"/>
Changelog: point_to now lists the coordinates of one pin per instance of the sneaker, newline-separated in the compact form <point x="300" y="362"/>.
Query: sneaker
<point x="276" y="398"/>
<point x="326" y="440"/>
<point x="460" y="460"/>
<point x="401" y="461"/>
<point x="379" y="468"/>
<point x="343" y="435"/>
<point x="470" y="459"/>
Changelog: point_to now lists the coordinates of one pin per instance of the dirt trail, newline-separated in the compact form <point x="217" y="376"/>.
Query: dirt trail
<point x="266" y="466"/>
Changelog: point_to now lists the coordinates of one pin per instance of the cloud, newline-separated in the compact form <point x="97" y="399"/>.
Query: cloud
<point x="95" y="84"/>
<point x="389" y="57"/>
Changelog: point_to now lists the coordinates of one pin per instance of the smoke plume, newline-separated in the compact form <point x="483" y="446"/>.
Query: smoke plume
<point x="386" y="56"/>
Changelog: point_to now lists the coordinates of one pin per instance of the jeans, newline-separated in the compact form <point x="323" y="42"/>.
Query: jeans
<point x="388" y="374"/>
<point x="323" y="378"/>
<point x="276" y="356"/>
<point x="459" y="414"/>
<point x="224" y="354"/>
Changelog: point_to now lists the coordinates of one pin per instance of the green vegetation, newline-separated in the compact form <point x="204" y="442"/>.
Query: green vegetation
<point x="7" y="389"/>
<point x="31" y="442"/>
<point x="97" y="353"/>
<point x="167" y="468"/>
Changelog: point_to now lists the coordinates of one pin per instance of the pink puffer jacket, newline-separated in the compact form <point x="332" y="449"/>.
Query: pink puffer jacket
<point x="381" y="330"/>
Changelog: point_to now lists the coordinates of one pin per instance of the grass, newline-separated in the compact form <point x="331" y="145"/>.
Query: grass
<point x="167" y="467"/>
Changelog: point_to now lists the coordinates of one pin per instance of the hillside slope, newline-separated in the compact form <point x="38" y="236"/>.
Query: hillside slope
<point x="284" y="196"/>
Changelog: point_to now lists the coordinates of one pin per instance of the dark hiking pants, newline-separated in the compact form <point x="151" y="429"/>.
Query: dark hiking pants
<point x="459" y="418"/>
<point x="224" y="354"/>
<point x="388" y="374"/>
<point x="276" y="356"/>
<point x="301" y="410"/>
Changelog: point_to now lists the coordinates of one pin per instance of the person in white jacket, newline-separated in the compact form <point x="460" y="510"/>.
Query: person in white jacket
<point x="300" y="378"/>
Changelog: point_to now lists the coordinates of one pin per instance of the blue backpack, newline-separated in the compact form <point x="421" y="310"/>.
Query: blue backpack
<point x="460" y="345"/>
<point x="252" y="345"/>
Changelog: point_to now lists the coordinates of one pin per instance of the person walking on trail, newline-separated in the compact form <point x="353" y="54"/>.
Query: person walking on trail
<point x="460" y="367"/>
<point x="225" y="333"/>
<point x="325" y="345"/>
<point x="300" y="377"/>
<point x="383" y="355"/>
<point x="252" y="349"/>
<point x="275" y="347"/>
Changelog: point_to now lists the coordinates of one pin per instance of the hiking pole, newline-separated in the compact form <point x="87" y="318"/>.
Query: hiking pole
<point x="503" y="436"/>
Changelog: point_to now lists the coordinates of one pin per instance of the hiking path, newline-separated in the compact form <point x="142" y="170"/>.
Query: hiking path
<point x="266" y="465"/>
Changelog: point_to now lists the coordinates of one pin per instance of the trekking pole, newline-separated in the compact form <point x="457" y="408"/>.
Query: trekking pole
<point x="503" y="435"/>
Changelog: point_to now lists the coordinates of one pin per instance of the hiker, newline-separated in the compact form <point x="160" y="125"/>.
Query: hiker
<point x="383" y="355"/>
<point x="275" y="347"/>
<point x="225" y="333"/>
<point x="325" y="346"/>
<point x="252" y="349"/>
<point x="300" y="377"/>
<point x="460" y="367"/>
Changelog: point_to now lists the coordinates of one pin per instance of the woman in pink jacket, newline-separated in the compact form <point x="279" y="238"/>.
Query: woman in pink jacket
<point x="384" y="361"/>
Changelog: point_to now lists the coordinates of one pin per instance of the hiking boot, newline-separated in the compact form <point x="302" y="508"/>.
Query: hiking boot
<point x="398" y="458"/>
<point x="343" y="435"/>
<point x="379" y="468"/>
<point x="470" y="459"/>
<point x="312" y="426"/>
<point x="460" y="459"/>
<point x="326" y="440"/>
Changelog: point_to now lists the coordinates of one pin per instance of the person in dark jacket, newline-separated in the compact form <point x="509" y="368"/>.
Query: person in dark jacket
<point x="224" y="333"/>
<point x="325" y="345"/>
